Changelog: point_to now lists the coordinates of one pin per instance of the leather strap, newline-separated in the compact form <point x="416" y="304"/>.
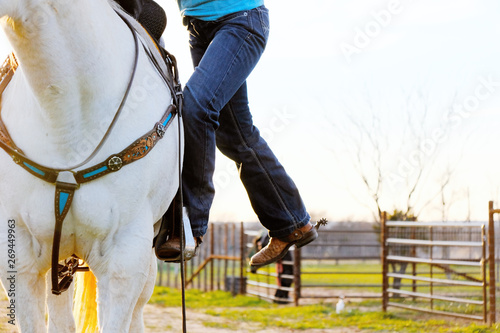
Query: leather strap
<point x="137" y="150"/>
<point x="63" y="199"/>
<point x="294" y="236"/>
<point x="6" y="74"/>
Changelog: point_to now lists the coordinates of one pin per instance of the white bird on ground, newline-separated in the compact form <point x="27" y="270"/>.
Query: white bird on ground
<point x="340" y="304"/>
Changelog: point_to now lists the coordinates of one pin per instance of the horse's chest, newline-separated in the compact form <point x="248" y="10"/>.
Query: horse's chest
<point x="97" y="210"/>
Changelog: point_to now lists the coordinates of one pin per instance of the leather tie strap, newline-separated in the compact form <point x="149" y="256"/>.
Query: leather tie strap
<point x="63" y="198"/>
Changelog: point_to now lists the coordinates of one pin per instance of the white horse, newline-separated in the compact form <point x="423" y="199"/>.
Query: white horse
<point x="76" y="58"/>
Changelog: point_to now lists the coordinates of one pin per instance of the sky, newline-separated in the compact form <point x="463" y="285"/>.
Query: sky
<point x="349" y="87"/>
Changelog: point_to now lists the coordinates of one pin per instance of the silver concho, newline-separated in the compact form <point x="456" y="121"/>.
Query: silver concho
<point x="160" y="129"/>
<point x="115" y="163"/>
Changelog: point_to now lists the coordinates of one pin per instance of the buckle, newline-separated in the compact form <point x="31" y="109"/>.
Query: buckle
<point x="65" y="274"/>
<point x="178" y="90"/>
<point x="16" y="159"/>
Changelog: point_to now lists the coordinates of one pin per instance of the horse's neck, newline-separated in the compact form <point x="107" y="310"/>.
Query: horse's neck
<point x="76" y="58"/>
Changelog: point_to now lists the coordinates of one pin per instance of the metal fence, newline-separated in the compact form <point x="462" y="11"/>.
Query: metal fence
<point x="448" y="267"/>
<point x="315" y="267"/>
<point x="441" y="268"/>
<point x="222" y="264"/>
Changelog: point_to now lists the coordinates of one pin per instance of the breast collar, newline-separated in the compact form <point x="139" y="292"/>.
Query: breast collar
<point x="66" y="181"/>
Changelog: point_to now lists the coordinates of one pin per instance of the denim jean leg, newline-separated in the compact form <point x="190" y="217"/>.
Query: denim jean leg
<point x="227" y="52"/>
<point x="272" y="193"/>
<point x="224" y="54"/>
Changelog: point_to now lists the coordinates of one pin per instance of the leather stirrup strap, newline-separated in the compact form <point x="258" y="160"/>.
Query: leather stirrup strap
<point x="63" y="198"/>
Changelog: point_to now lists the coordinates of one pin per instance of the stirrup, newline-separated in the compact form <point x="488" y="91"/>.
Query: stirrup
<point x="189" y="242"/>
<point x="167" y="231"/>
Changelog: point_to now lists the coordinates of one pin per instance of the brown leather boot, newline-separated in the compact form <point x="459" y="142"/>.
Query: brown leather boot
<point x="277" y="247"/>
<point x="172" y="247"/>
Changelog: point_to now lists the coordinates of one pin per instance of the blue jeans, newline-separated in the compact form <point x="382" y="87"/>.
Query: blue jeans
<point x="216" y="113"/>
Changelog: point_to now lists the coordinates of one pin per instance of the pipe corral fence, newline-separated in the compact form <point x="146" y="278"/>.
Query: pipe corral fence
<point x="315" y="269"/>
<point x="444" y="268"/>
<point x="308" y="274"/>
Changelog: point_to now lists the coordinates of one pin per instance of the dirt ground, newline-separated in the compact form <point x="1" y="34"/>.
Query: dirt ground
<point x="159" y="319"/>
<point x="162" y="319"/>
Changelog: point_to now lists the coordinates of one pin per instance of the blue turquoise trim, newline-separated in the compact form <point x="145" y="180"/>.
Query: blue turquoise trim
<point x="38" y="171"/>
<point x="63" y="199"/>
<point x="95" y="172"/>
<point x="167" y="120"/>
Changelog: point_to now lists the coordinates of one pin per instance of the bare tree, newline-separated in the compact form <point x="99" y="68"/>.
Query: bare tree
<point x="394" y="152"/>
<point x="395" y="155"/>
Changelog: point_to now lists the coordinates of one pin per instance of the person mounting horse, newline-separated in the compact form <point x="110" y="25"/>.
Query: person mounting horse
<point x="227" y="39"/>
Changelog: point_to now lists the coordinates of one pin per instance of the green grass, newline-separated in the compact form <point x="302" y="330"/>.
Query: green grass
<point x="197" y="299"/>
<point x="325" y="317"/>
<point x="364" y="315"/>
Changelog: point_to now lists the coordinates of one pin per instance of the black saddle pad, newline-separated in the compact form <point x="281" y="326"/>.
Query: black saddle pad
<point x="153" y="18"/>
<point x="150" y="14"/>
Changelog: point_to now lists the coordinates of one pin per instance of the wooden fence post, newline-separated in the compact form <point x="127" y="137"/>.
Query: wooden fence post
<point x="483" y="273"/>
<point x="242" y="259"/>
<point x="385" y="279"/>
<point x="491" y="261"/>
<point x="160" y="272"/>
<point x="296" y="275"/>
<point x="212" y="264"/>
<point x="226" y="251"/>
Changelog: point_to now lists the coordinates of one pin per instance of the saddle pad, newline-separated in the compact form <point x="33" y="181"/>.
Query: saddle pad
<point x="153" y="18"/>
<point x="149" y="43"/>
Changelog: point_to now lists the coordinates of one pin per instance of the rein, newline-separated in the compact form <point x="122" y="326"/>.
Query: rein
<point x="67" y="180"/>
<point x="36" y="167"/>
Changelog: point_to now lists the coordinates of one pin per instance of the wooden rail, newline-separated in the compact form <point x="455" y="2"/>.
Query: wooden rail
<point x="217" y="266"/>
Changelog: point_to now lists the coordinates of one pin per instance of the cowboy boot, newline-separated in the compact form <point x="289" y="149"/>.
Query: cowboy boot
<point x="172" y="247"/>
<point x="278" y="247"/>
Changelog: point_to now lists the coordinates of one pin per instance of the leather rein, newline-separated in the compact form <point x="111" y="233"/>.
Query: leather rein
<point x="67" y="180"/>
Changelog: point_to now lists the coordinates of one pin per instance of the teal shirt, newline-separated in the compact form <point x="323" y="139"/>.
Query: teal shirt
<point x="211" y="10"/>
